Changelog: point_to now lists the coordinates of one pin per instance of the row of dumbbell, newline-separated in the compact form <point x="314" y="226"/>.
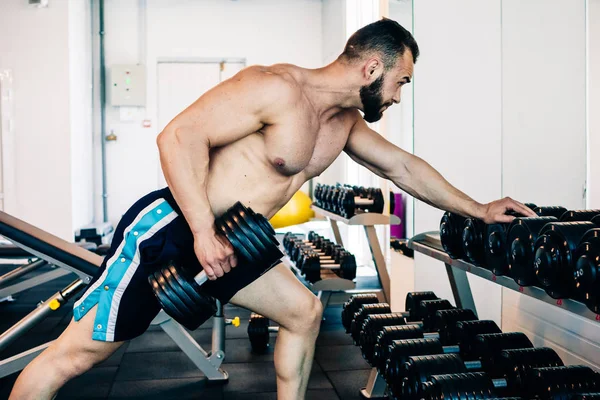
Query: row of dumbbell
<point x="316" y="254"/>
<point x="345" y="200"/>
<point x="420" y="353"/>
<point x="557" y="250"/>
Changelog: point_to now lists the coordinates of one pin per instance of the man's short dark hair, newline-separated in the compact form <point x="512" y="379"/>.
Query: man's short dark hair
<point x="386" y="38"/>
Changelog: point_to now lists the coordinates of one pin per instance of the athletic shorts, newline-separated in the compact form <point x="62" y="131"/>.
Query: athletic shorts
<point x="152" y="233"/>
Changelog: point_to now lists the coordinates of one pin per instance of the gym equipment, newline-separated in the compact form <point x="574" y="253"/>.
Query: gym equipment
<point x="85" y="264"/>
<point x="579" y="215"/>
<point x="463" y="338"/>
<point x="258" y="332"/>
<point x="178" y="289"/>
<point x="351" y="306"/>
<point x="495" y="249"/>
<point x="487" y="348"/>
<point x="515" y="366"/>
<point x="553" y="262"/>
<point x="472" y="241"/>
<point x="451" y="228"/>
<point x="550" y="211"/>
<point x="443" y="325"/>
<point x="345" y="200"/>
<point x="318" y="253"/>
<point x="587" y="270"/>
<point x="560" y="382"/>
<point x="520" y="243"/>
<point x="296" y="211"/>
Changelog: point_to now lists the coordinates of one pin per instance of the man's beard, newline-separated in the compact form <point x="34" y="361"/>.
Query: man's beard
<point x="372" y="100"/>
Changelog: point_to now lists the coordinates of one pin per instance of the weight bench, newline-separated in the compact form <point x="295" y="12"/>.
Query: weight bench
<point x="83" y="263"/>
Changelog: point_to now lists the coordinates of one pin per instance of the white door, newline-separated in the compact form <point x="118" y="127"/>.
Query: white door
<point x="180" y="84"/>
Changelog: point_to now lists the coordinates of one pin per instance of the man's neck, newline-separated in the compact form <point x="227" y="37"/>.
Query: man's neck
<point x="332" y="89"/>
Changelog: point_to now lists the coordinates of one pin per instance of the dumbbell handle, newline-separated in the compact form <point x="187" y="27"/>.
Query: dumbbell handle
<point x="201" y="278"/>
<point x="273" y="329"/>
<point x="361" y="201"/>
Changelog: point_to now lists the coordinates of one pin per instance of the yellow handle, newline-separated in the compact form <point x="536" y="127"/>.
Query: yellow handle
<point x="54" y="305"/>
<point x="235" y="322"/>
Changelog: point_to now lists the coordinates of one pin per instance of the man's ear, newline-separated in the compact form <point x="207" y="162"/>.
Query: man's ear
<point x="372" y="67"/>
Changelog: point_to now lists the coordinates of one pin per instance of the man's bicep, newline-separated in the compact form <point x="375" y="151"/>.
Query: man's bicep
<point x="233" y="109"/>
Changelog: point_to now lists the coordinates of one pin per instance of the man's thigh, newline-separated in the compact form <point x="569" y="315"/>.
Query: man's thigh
<point x="279" y="296"/>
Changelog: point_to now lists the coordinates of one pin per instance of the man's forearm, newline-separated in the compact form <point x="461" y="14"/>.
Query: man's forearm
<point x="423" y="182"/>
<point x="185" y="166"/>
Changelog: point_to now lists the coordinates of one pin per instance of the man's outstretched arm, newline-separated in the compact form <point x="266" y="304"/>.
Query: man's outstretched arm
<point x="416" y="177"/>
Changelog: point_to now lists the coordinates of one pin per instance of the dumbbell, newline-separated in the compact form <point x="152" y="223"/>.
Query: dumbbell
<point x="484" y="348"/>
<point x="585" y="396"/>
<point x="344" y="265"/>
<point x="350" y="307"/>
<point x="579" y="215"/>
<point x="472" y="241"/>
<point x="451" y="228"/>
<point x="442" y="328"/>
<point x="258" y="332"/>
<point x="423" y="313"/>
<point x="587" y="270"/>
<point x="515" y="365"/>
<point x="561" y="382"/>
<point x="521" y="237"/>
<point x="553" y="262"/>
<point x="550" y="211"/>
<point x="495" y="247"/>
<point x="178" y="287"/>
<point x="349" y="202"/>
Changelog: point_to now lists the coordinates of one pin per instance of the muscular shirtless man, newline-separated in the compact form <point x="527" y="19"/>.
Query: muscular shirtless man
<point x="255" y="138"/>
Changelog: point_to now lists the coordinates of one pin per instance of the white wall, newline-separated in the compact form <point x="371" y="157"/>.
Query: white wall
<point x="457" y="119"/>
<point x="261" y="31"/>
<point x="593" y="192"/>
<point x="544" y="146"/>
<point x="35" y="47"/>
<point x="80" y="83"/>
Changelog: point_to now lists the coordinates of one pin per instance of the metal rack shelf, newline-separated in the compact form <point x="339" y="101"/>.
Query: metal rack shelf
<point x="368" y="221"/>
<point x="430" y="245"/>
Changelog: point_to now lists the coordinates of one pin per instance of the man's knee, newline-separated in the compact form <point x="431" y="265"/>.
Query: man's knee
<point x="305" y="315"/>
<point x="74" y="360"/>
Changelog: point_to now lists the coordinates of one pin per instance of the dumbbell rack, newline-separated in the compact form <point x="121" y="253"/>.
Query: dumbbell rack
<point x="429" y="244"/>
<point x="368" y="221"/>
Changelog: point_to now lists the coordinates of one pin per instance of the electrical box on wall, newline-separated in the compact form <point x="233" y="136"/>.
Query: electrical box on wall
<point x="127" y="85"/>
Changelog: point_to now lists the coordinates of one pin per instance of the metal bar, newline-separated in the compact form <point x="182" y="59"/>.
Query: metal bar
<point x="428" y="244"/>
<point x="39" y="314"/>
<point x="361" y="218"/>
<point x="218" y="330"/>
<point x="20" y="271"/>
<point x="376" y="386"/>
<point x="379" y="260"/>
<point x="32" y="282"/>
<point x="461" y="289"/>
<point x="19" y="361"/>
<point x="102" y="94"/>
<point x="208" y="365"/>
<point x="336" y="232"/>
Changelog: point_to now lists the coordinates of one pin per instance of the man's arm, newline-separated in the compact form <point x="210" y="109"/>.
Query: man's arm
<point x="419" y="179"/>
<point x="230" y="111"/>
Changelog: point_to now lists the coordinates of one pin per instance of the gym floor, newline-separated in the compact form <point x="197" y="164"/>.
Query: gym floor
<point x="152" y="366"/>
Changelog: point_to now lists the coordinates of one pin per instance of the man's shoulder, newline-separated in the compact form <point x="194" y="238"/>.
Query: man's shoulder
<point x="277" y="81"/>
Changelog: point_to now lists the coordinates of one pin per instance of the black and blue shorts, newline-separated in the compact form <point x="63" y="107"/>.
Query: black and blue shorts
<point x="150" y="234"/>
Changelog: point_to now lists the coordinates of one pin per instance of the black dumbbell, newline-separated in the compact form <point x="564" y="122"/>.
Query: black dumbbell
<point x="585" y="396"/>
<point x="487" y="347"/>
<point x="350" y="307"/>
<point x="258" y="332"/>
<point x="443" y="326"/>
<point x="521" y="237"/>
<point x="349" y="202"/>
<point x="587" y="270"/>
<point x="464" y="334"/>
<point x="344" y="265"/>
<point x="424" y="313"/>
<point x="553" y="261"/>
<point x="451" y="229"/>
<point x="560" y="382"/>
<point x="550" y="211"/>
<point x="515" y="366"/>
<point x="472" y="241"/>
<point x="579" y="215"/>
<point x="178" y="287"/>
<point x="495" y="247"/>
